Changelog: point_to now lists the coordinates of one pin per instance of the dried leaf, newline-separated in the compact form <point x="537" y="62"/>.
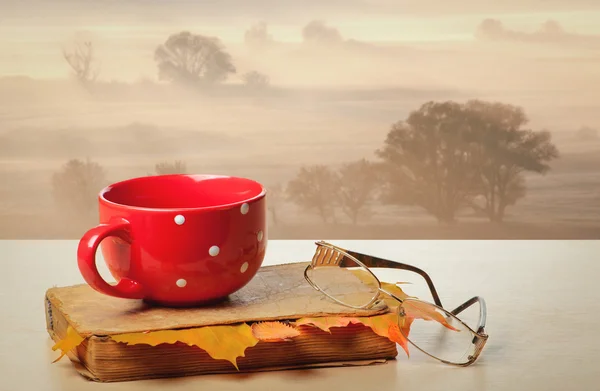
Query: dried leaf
<point x="152" y="338"/>
<point x="396" y="291"/>
<point x="415" y="310"/>
<point x="380" y="324"/>
<point x="226" y="342"/>
<point x="399" y="334"/>
<point x="365" y="277"/>
<point x="421" y="310"/>
<point x="325" y="323"/>
<point x="385" y="325"/>
<point x="395" y="335"/>
<point x="273" y="331"/>
<point x="71" y="341"/>
<point x="368" y="280"/>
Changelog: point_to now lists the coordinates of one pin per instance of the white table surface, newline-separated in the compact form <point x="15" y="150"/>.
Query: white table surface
<point x="543" y="319"/>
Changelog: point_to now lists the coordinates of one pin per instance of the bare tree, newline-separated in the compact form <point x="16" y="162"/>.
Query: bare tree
<point x="81" y="60"/>
<point x="76" y="185"/>
<point x="177" y="167"/>
<point x="192" y="58"/>
<point x="358" y="185"/>
<point x="315" y="188"/>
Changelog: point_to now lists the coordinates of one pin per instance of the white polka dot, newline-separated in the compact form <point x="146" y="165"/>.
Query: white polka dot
<point x="260" y="236"/>
<point x="181" y="283"/>
<point x="179" y="219"/>
<point x="245" y="208"/>
<point x="214" y="251"/>
<point x="244" y="267"/>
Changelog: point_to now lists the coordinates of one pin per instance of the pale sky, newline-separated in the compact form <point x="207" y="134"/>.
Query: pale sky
<point x="369" y="20"/>
<point x="32" y="32"/>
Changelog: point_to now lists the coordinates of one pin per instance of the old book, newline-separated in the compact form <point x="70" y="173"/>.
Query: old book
<point x="276" y="293"/>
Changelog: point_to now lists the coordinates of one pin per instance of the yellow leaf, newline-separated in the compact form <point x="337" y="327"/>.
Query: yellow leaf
<point x="273" y="331"/>
<point x="226" y="342"/>
<point x="396" y="291"/>
<point x="385" y="325"/>
<point x="152" y="338"/>
<point x="326" y="322"/>
<point x="380" y="324"/>
<point x="365" y="277"/>
<point x="71" y="341"/>
<point x="368" y="280"/>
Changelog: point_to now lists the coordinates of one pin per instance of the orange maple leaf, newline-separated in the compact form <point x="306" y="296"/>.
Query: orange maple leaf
<point x="421" y="310"/>
<point x="395" y="335"/>
<point x="387" y="326"/>
<point x="413" y="309"/>
<point x="273" y="331"/>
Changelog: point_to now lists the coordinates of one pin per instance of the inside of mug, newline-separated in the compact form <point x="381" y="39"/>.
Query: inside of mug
<point x="182" y="191"/>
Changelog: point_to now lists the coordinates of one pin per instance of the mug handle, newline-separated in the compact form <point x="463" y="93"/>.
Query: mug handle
<point x="86" y="260"/>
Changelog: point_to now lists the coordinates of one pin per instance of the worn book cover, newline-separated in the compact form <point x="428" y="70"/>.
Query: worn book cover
<point x="121" y="339"/>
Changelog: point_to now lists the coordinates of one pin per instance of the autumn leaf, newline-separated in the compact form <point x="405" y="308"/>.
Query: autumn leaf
<point x="380" y="324"/>
<point x="71" y="341"/>
<point x="326" y="322"/>
<point x="396" y="291"/>
<point x="394" y="334"/>
<point x="414" y="309"/>
<point x="273" y="331"/>
<point x="227" y="342"/>
<point x="385" y="325"/>
<point x="421" y="310"/>
<point x="365" y="277"/>
<point x="152" y="338"/>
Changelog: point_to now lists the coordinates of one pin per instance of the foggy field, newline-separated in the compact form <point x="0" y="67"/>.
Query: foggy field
<point x="268" y="137"/>
<point x="246" y="98"/>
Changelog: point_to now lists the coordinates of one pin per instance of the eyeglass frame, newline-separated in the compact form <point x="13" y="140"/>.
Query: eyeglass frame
<point x="368" y="261"/>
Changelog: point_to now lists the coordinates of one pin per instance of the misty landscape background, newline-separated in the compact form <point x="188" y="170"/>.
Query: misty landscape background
<point x="295" y="92"/>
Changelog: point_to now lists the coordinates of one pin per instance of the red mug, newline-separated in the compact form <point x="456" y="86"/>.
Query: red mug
<point x="177" y="240"/>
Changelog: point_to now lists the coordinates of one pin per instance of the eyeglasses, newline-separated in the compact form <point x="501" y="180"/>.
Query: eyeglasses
<point x="430" y="328"/>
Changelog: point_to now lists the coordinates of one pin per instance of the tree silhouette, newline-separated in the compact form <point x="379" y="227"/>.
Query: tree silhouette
<point x="585" y="133"/>
<point x="315" y="188"/>
<point x="192" y="58"/>
<point x="76" y="185"/>
<point x="255" y="80"/>
<point x="502" y="150"/>
<point x="446" y="154"/>
<point x="164" y="168"/>
<point x="358" y="185"/>
<point x="257" y="36"/>
<point x="81" y="60"/>
<point x="426" y="161"/>
<point x="317" y="31"/>
<point x="275" y="197"/>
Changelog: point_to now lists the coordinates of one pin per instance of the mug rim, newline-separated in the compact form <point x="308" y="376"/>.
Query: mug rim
<point x="104" y="200"/>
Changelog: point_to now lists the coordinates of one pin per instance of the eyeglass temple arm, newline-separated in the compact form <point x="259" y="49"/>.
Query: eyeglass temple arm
<point x="371" y="261"/>
<point x="482" y="311"/>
